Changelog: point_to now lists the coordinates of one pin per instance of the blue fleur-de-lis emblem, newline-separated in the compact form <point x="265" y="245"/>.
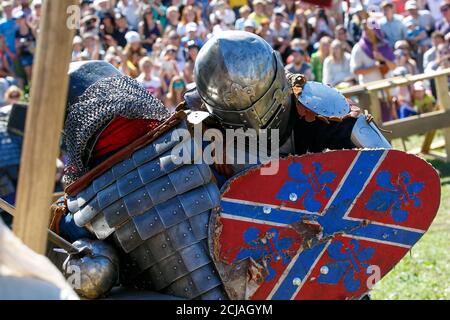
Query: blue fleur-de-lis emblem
<point x="394" y="195"/>
<point x="348" y="262"/>
<point x="266" y="246"/>
<point x="306" y="186"/>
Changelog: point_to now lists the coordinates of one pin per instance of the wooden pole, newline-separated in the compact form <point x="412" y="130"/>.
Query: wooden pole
<point x="443" y="99"/>
<point x="43" y="125"/>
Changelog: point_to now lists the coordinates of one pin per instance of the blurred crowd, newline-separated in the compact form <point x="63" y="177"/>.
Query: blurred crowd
<point x="157" y="41"/>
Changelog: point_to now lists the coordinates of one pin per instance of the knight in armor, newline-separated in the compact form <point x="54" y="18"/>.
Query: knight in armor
<point x="124" y="185"/>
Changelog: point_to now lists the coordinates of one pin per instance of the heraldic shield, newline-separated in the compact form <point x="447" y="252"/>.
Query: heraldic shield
<point x="326" y="226"/>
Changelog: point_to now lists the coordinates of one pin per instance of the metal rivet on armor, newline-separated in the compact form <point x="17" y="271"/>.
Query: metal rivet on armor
<point x="164" y="245"/>
<point x="267" y="209"/>
<point x="163" y="189"/>
<point x="186" y="179"/>
<point x="297" y="282"/>
<point x="197" y="255"/>
<point x="153" y="170"/>
<point x="180" y="261"/>
<point x="190" y="229"/>
<point x="186" y="289"/>
<point x="139" y="200"/>
<point x="324" y="270"/>
<point x="190" y="283"/>
<point x="117" y="212"/>
<point x="174" y="212"/>
<point x="168" y="239"/>
<point x="151" y="224"/>
<point x="191" y="173"/>
<point x="184" y="234"/>
<point x="202" y="197"/>
<point x="197" y="202"/>
<point x="385" y="236"/>
<point x="293" y="197"/>
<point x="174" y="268"/>
<point x="130" y="182"/>
<point x="156" y="218"/>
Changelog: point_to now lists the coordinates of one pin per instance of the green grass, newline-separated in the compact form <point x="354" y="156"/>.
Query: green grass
<point x="424" y="273"/>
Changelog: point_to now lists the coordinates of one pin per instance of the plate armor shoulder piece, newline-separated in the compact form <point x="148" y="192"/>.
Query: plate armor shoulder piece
<point x="324" y="100"/>
<point x="367" y="135"/>
<point x="157" y="209"/>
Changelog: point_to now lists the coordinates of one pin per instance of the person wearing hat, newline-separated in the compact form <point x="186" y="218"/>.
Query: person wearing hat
<point x="192" y="50"/>
<point x="8" y="27"/>
<point x="244" y="12"/>
<point x="92" y="47"/>
<point x="133" y="53"/>
<point x="191" y="35"/>
<point x="77" y="48"/>
<point x="422" y="18"/>
<point x="391" y="24"/>
<point x="423" y="102"/>
<point x="250" y="25"/>
<point x="258" y="14"/>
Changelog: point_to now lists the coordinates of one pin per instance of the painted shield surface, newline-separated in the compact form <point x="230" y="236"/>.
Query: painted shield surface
<point x="326" y="226"/>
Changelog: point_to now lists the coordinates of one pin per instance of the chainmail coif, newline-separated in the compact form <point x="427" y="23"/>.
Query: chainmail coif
<point x="99" y="104"/>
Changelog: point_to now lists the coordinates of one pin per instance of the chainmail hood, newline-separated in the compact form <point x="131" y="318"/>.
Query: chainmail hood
<point x="96" y="108"/>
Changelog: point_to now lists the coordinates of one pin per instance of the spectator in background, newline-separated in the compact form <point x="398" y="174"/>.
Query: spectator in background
<point x="190" y="15"/>
<point x="318" y="57"/>
<point x="160" y="12"/>
<point x="134" y="52"/>
<point x="258" y="13"/>
<point x="436" y="39"/>
<point x="121" y="30"/>
<point x="265" y="32"/>
<point x="423" y="102"/>
<point x="442" y="60"/>
<point x="289" y="7"/>
<point x="405" y="47"/>
<point x="92" y="47"/>
<point x="300" y="27"/>
<point x="244" y="12"/>
<point x="191" y="52"/>
<point x="169" y="68"/>
<point x="371" y="57"/>
<point x="5" y="67"/>
<point x="149" y="29"/>
<point x="323" y="24"/>
<point x="336" y="67"/>
<point x="173" y="18"/>
<point x="130" y="9"/>
<point x="250" y="25"/>
<point x="391" y="24"/>
<point x="77" y="48"/>
<point x="107" y="27"/>
<point x="25" y="44"/>
<point x="146" y="78"/>
<point x="340" y="34"/>
<point x="222" y="15"/>
<point x="444" y="25"/>
<point x="355" y="28"/>
<point x="174" y="97"/>
<point x="8" y="28"/>
<point x="280" y="32"/>
<point x="421" y="18"/>
<point x="191" y="35"/>
<point x="299" y="65"/>
<point x="237" y="5"/>
<point x="13" y="95"/>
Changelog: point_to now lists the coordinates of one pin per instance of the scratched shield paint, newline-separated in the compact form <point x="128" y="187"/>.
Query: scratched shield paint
<point x="327" y="226"/>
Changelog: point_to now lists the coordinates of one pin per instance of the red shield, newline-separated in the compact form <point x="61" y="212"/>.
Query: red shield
<point x="326" y="226"/>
